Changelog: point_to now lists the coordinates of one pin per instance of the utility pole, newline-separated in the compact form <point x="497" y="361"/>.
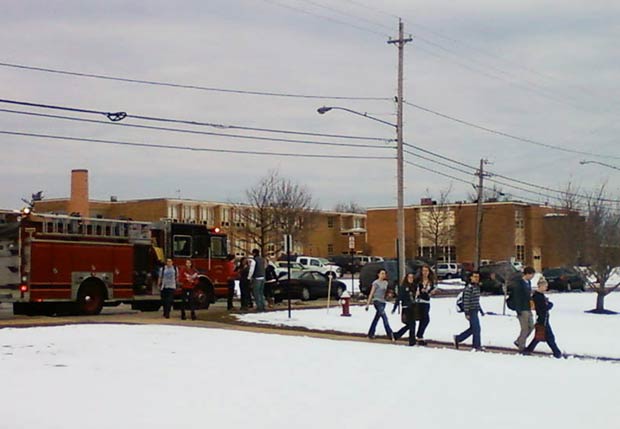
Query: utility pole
<point x="480" y="175"/>
<point x="400" y="215"/>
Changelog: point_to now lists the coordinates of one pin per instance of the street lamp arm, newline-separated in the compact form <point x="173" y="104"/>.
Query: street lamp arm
<point x="325" y="109"/>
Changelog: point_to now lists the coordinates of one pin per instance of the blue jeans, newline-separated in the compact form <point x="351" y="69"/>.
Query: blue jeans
<point x="380" y="313"/>
<point x="258" y="286"/>
<point x="549" y="339"/>
<point x="474" y="329"/>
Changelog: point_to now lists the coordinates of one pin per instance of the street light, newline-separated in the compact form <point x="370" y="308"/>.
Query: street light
<point x="599" y="163"/>
<point x="400" y="212"/>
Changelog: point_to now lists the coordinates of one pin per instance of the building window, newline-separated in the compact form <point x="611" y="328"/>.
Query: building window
<point x="358" y="223"/>
<point x="520" y="251"/>
<point x="330" y="221"/>
<point x="173" y="212"/>
<point x="519" y="221"/>
<point x="225" y="215"/>
<point x="330" y="250"/>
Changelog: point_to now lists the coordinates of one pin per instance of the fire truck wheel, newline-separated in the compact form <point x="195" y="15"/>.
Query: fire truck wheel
<point x="90" y="298"/>
<point x="203" y="294"/>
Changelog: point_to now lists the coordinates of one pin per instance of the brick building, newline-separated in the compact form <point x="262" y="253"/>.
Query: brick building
<point x="536" y="235"/>
<point x="327" y="236"/>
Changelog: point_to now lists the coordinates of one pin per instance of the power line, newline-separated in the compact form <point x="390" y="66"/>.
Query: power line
<point x="325" y="17"/>
<point x="510" y="136"/>
<point x="189" y="148"/>
<point x="438" y="172"/>
<point x="187" y="86"/>
<point x="181" y="130"/>
<point x="345" y="13"/>
<point x="491" y="176"/>
<point x="117" y="116"/>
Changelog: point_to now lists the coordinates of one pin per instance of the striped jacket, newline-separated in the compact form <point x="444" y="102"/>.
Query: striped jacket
<point x="471" y="298"/>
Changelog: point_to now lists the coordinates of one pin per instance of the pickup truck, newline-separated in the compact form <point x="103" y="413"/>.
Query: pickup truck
<point x="321" y="265"/>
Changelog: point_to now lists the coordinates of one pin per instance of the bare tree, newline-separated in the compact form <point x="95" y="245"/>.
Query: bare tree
<point x="350" y="207"/>
<point x="570" y="228"/>
<point x="492" y="194"/>
<point x="602" y="244"/>
<point x="294" y="209"/>
<point x="257" y="216"/>
<point x="436" y="223"/>
<point x="275" y="206"/>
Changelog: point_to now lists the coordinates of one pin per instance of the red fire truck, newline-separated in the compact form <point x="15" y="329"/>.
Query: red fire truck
<point x="87" y="263"/>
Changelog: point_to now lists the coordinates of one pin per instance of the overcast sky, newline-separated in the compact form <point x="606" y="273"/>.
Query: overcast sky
<point x="542" y="70"/>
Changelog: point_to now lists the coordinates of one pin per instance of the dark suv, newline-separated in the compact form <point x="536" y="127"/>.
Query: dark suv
<point x="564" y="279"/>
<point x="494" y="276"/>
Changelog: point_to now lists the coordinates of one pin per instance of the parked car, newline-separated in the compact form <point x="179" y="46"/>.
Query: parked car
<point x="447" y="270"/>
<point x="306" y="285"/>
<point x="321" y="265"/>
<point x="493" y="277"/>
<point x="564" y="279"/>
<point x="368" y="273"/>
<point x="347" y="263"/>
<point x="282" y="267"/>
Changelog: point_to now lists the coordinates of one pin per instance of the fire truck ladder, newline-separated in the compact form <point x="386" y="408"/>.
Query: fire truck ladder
<point x="71" y="226"/>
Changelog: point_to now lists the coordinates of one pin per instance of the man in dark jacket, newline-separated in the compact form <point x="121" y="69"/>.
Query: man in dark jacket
<point x="522" y="293"/>
<point x="471" y="308"/>
<point x="542" y="306"/>
<point x="257" y="277"/>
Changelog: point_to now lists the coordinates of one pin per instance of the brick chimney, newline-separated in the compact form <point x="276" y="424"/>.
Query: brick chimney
<point x="79" y="202"/>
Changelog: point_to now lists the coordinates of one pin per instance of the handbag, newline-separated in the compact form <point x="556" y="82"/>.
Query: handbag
<point x="539" y="332"/>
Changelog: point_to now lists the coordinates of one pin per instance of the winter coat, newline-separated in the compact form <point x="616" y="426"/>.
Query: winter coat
<point x="471" y="298"/>
<point x="522" y="293"/>
<point x="542" y="306"/>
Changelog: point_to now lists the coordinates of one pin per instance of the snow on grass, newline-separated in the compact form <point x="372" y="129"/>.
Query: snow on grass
<point x="576" y="331"/>
<point x="115" y="376"/>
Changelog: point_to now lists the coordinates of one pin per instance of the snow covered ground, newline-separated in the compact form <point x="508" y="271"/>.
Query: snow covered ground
<point x="576" y="331"/>
<point x="121" y="376"/>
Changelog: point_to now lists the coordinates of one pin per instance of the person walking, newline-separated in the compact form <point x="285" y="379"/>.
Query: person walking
<point x="271" y="281"/>
<point x="471" y="308"/>
<point x="425" y="288"/>
<point x="521" y="294"/>
<point x="167" y="282"/>
<point x="189" y="279"/>
<point x="406" y="299"/>
<point x="542" y="306"/>
<point x="377" y="296"/>
<point x="257" y="276"/>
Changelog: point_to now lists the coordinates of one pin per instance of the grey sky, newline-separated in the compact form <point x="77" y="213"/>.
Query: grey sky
<point x="544" y="70"/>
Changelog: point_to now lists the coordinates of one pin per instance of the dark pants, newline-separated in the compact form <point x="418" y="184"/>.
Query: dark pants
<point x="246" y="295"/>
<point x="187" y="301"/>
<point x="167" y="298"/>
<point x="474" y="329"/>
<point x="380" y="314"/>
<point x="549" y="339"/>
<point x="424" y="315"/>
<point x="231" y="294"/>
<point x="408" y="327"/>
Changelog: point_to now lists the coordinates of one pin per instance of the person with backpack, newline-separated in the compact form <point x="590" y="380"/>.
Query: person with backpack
<point x="167" y="282"/>
<point x="542" y="306"/>
<point x="406" y="299"/>
<point x="425" y="288"/>
<point x="377" y="295"/>
<point x="520" y="295"/>
<point x="471" y="308"/>
<point x="271" y="281"/>
<point x="189" y="278"/>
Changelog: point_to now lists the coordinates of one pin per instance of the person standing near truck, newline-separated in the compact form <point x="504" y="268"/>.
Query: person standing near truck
<point x="189" y="278"/>
<point x="167" y="282"/>
<point x="257" y="277"/>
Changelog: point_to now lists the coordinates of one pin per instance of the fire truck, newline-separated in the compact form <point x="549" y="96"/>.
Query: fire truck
<point x="87" y="263"/>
